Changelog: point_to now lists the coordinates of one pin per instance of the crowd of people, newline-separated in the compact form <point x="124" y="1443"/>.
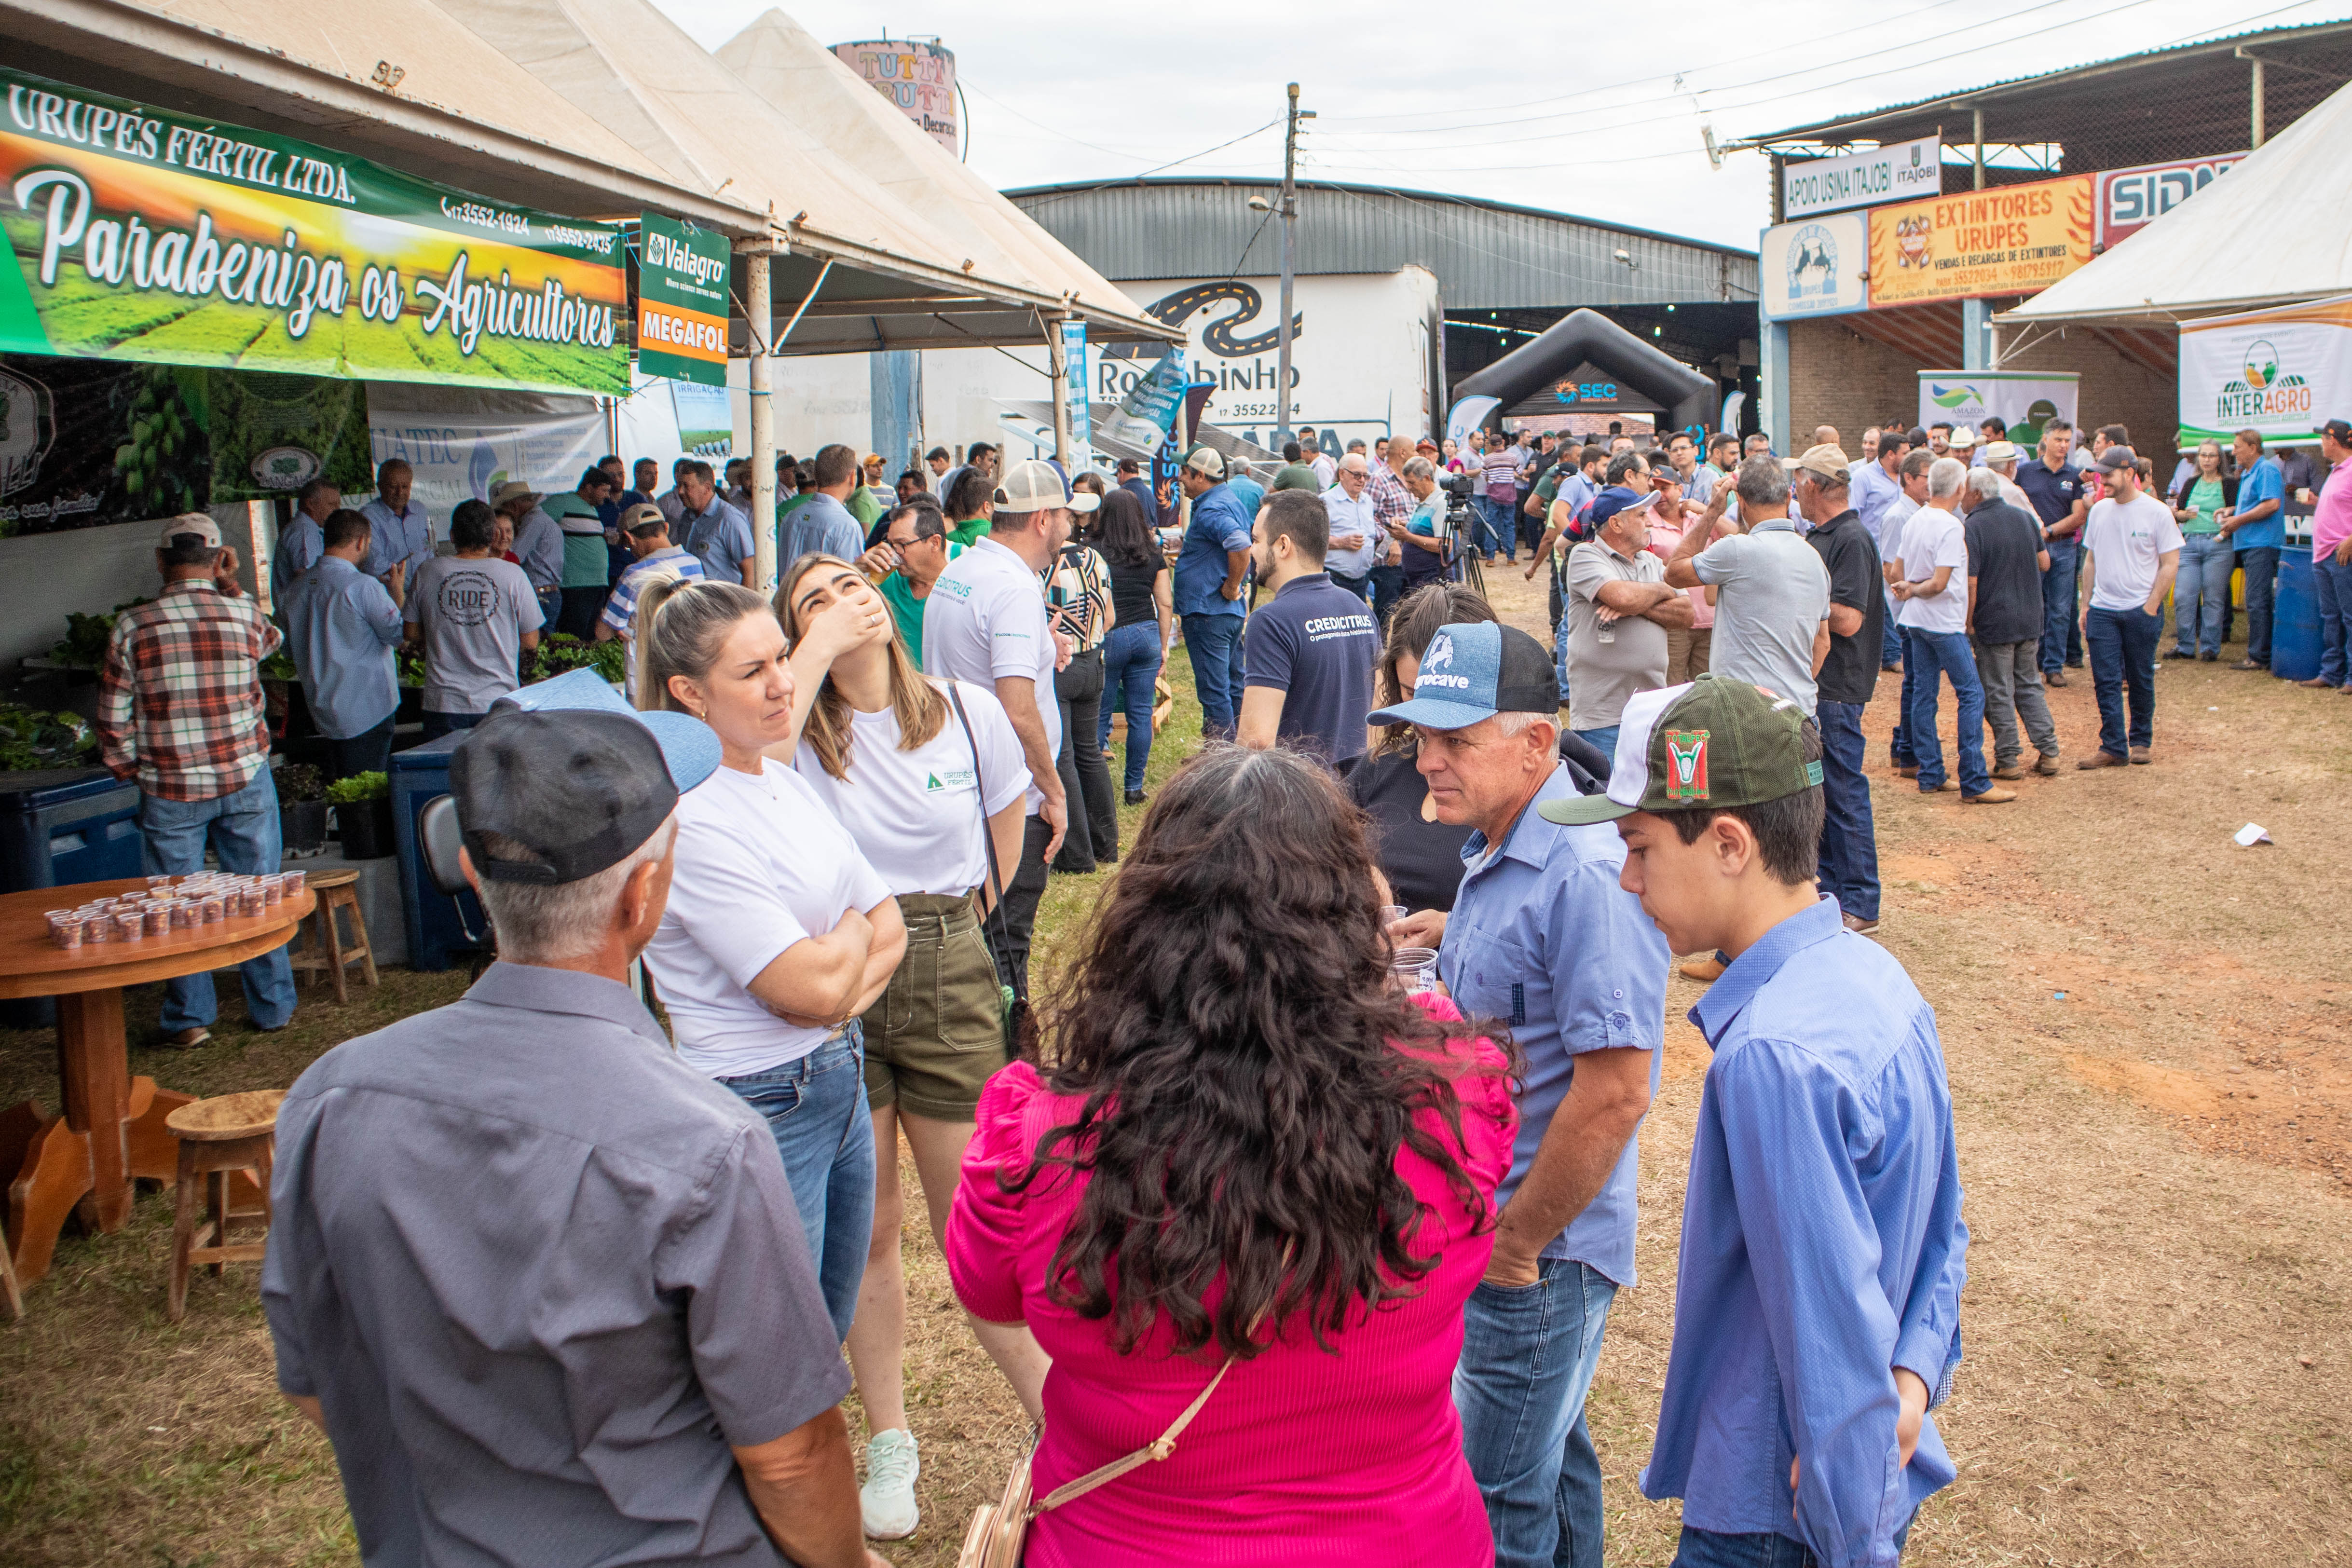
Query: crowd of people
<point x="1247" y="1170"/>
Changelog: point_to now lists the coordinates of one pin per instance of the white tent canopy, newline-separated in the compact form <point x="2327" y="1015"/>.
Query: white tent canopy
<point x="2274" y="229"/>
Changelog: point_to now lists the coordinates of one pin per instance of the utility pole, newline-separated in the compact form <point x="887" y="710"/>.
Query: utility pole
<point x="1289" y="263"/>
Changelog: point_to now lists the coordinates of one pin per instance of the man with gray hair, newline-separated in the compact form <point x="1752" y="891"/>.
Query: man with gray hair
<point x="542" y="1285"/>
<point x="1618" y="607"/>
<point x="1927" y="574"/>
<point x="2006" y="560"/>
<point x="1773" y="593"/>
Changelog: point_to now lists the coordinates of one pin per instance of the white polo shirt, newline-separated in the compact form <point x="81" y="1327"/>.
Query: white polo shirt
<point x="986" y="619"/>
<point x="761" y="864"/>
<point x="1933" y="538"/>
<point x="917" y="815"/>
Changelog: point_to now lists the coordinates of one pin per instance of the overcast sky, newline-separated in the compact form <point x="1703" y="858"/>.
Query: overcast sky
<point x="1600" y="120"/>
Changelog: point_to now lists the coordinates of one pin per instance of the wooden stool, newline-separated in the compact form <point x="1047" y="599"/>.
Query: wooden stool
<point x="218" y="1136"/>
<point x="323" y="946"/>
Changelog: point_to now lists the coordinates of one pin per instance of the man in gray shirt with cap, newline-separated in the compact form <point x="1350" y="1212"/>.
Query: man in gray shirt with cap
<point x="542" y="1285"/>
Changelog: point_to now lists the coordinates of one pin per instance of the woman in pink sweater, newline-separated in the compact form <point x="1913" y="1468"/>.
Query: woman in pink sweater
<point x="1253" y="1146"/>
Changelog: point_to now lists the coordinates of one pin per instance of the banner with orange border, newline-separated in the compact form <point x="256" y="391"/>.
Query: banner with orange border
<point x="138" y="234"/>
<point x="2005" y="240"/>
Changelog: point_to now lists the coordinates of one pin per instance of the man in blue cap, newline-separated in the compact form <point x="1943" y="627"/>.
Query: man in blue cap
<point x="542" y="1285"/>
<point x="1540" y="938"/>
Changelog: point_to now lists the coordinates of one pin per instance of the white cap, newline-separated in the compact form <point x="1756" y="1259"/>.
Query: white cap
<point x="1034" y="487"/>
<point x="195" y="523"/>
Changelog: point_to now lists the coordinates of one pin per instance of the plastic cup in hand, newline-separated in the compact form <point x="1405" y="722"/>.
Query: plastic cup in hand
<point x="1391" y="914"/>
<point x="1415" y="968"/>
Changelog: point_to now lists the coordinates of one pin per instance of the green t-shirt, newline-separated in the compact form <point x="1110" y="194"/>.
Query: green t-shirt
<point x="2205" y="497"/>
<point x="1298" y="477"/>
<point x="906" y="610"/>
<point x="586" y="562"/>
<point x="864" y="507"/>
<point x="968" y="533"/>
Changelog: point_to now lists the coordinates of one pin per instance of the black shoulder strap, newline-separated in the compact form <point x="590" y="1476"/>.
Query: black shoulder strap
<point x="987" y="834"/>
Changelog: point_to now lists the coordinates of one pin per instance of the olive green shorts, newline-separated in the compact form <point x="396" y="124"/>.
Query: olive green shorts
<point x="938" y="1030"/>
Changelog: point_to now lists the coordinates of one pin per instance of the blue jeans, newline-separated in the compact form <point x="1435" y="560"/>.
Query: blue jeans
<point x="1938" y="653"/>
<point x="2201" y="597"/>
<point x="1891" y="654"/>
<point x="241" y="828"/>
<point x="2122" y="644"/>
<point x="816" y="1109"/>
<point x="1131" y="659"/>
<point x="2332" y="586"/>
<point x="437" y="724"/>
<point x="2057" y="603"/>
<point x="1527" y="1358"/>
<point x="2260" y="566"/>
<point x="1709" y="1549"/>
<point x="1849" y="855"/>
<point x="1496" y="532"/>
<point x="1604" y="739"/>
<point x="1559" y="656"/>
<point x="1216" y="644"/>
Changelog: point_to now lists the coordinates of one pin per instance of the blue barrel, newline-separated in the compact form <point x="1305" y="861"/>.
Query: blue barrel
<point x="60" y="826"/>
<point x="2294" y="628"/>
<point x="419" y="776"/>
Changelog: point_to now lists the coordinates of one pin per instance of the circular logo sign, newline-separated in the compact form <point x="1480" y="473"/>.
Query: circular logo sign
<point x="285" y="467"/>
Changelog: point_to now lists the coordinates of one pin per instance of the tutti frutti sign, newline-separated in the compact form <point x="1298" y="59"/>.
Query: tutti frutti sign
<point x="681" y="301"/>
<point x="140" y="234"/>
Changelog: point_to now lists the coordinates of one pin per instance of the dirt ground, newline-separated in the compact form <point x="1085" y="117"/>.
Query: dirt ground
<point x="2147" y="1032"/>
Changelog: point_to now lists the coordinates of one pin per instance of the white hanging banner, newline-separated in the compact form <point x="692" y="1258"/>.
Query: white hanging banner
<point x="545" y="442"/>
<point x="2285" y="371"/>
<point x="1895" y="173"/>
<point x="1467" y="416"/>
<point x="2024" y="401"/>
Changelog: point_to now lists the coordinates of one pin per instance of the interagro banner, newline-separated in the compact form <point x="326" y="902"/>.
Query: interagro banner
<point x="142" y="234"/>
<point x="2284" y="371"/>
<point x="2011" y="239"/>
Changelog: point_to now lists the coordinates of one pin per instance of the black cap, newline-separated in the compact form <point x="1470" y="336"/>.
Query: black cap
<point x="581" y="790"/>
<point x="1916" y="435"/>
<point x="2340" y="430"/>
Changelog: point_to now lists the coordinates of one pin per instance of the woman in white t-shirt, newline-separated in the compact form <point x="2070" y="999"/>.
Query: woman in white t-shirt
<point x="778" y="934"/>
<point x="915" y="782"/>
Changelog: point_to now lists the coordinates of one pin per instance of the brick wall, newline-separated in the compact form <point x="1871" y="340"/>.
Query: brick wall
<point x="2114" y="390"/>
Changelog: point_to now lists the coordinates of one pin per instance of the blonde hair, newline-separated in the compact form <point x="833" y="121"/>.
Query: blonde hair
<point x="920" y="708"/>
<point x="680" y="627"/>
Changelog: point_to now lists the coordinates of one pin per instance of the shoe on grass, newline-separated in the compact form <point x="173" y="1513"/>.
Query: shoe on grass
<point x="886" y="1501"/>
<point x="2249" y="664"/>
<point x="1702" y="967"/>
<point x="2316" y="680"/>
<point x="1135" y="797"/>
<point x="2210" y="658"/>
<point x="186" y="1038"/>
<point x="2140" y="757"/>
<point x="1994" y="797"/>
<point x="1860" y="928"/>
<point x="2100" y="760"/>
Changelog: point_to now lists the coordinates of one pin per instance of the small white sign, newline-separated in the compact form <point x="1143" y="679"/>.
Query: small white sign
<point x="1814" y="267"/>
<point x="1898" y="172"/>
<point x="2252" y="833"/>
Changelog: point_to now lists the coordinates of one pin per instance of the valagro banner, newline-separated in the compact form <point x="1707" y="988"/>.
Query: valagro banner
<point x="142" y="234"/>
<point x="463" y="457"/>
<point x="1814" y="267"/>
<point x="681" y="302"/>
<point x="2024" y="401"/>
<point x="2009" y="239"/>
<point x="2284" y="371"/>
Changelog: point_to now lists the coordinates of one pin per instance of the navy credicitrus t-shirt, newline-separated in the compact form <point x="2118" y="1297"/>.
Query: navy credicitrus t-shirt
<point x="1315" y="641"/>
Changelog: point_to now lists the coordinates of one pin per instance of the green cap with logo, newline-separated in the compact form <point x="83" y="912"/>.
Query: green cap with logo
<point x="1715" y="742"/>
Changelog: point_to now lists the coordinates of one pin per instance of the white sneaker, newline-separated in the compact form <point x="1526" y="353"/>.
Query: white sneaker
<point x="887" y="1500"/>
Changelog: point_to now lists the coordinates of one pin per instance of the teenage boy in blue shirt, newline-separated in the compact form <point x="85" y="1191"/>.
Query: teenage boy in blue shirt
<point x="2256" y="529"/>
<point x="1817" y="1307"/>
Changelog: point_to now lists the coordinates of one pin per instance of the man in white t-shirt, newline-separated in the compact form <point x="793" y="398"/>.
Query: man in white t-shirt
<point x="1927" y="573"/>
<point x="2132" y="546"/>
<point x="985" y="623"/>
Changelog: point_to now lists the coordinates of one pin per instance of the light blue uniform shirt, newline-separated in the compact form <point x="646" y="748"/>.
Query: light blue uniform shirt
<point x="299" y="550"/>
<point x="1875" y="497"/>
<point x="1543" y="939"/>
<point x="1822" y="1247"/>
<point x="2265" y="481"/>
<point x="820" y="523"/>
<point x="396" y="537"/>
<point x="341" y="630"/>
<point x="1220" y="523"/>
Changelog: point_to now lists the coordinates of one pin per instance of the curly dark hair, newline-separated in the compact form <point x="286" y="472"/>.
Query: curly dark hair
<point x="1249" y="1071"/>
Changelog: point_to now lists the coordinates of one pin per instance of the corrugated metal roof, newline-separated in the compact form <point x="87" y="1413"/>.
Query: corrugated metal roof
<point x="1485" y="254"/>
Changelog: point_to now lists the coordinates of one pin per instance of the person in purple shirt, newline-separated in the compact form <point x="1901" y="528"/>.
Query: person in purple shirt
<point x="1817" y="1303"/>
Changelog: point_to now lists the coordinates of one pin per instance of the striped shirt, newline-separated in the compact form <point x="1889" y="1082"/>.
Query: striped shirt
<point x="180" y="704"/>
<point x="667" y="564"/>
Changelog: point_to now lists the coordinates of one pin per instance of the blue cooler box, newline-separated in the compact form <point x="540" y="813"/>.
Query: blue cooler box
<point x="60" y="826"/>
<point x="419" y="776"/>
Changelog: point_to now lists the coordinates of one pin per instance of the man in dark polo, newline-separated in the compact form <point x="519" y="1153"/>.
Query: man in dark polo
<point x="543" y="1286"/>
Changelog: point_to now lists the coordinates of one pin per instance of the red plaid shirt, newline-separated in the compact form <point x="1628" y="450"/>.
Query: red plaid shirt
<point x="1391" y="501"/>
<point x="180" y="704"/>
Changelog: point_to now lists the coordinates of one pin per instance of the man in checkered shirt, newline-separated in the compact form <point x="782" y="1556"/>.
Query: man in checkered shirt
<point x="1391" y="503"/>
<point x="180" y="710"/>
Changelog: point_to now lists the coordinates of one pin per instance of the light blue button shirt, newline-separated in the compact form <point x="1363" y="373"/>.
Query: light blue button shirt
<point x="1543" y="939"/>
<point x="341" y="630"/>
<point x="299" y="550"/>
<point x="1353" y="518"/>
<point x="1874" y="494"/>
<point x="1822" y="1247"/>
<point x="405" y="534"/>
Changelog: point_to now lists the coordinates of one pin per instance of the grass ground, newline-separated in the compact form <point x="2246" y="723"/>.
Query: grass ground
<point x="2145" y="1028"/>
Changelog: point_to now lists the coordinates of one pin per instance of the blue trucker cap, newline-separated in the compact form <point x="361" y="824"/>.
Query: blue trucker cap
<point x="1473" y="670"/>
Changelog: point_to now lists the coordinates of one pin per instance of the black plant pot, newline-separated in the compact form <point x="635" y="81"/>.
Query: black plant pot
<point x="302" y="826"/>
<point x="366" y="827"/>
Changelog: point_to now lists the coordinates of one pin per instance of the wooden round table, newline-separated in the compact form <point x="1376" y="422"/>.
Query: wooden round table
<point x="112" y="1129"/>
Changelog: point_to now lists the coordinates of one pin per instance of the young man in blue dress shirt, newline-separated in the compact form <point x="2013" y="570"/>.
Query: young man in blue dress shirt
<point x="1817" y="1308"/>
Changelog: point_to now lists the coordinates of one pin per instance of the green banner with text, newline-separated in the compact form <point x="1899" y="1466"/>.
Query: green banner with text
<point x="681" y="301"/>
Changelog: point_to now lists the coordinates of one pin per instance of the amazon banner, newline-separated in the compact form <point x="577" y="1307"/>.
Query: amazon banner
<point x="141" y="235"/>
<point x="2024" y="401"/>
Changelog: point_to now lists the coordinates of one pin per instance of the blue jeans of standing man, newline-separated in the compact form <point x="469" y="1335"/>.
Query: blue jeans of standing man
<point x="2057" y="603"/>
<point x="1216" y="644"/>
<point x="1935" y="655"/>
<point x="1527" y="1358"/>
<point x="2260" y="566"/>
<point x="2122" y="644"/>
<point x="1495" y="529"/>
<point x="2200" y="596"/>
<point x="1899" y="740"/>
<point x="241" y="828"/>
<point x="1131" y="660"/>
<point x="1559" y="657"/>
<point x="816" y="1109"/>
<point x="1891" y="654"/>
<point x="1849" y="855"/>
<point x="2332" y="586"/>
<point x="1768" y="1549"/>
<point x="1603" y="739"/>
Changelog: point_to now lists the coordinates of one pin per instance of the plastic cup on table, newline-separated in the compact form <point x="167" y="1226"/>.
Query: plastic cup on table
<point x="208" y="909"/>
<point x="273" y="890"/>
<point x="1415" y="968"/>
<point x="127" y="926"/>
<point x="182" y="913"/>
<point x="154" y="920"/>
<point x="65" y="928"/>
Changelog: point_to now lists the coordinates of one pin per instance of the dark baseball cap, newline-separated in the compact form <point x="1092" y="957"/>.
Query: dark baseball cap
<point x="1473" y="670"/>
<point x="2118" y="456"/>
<point x="2339" y="429"/>
<point x="572" y="772"/>
<point x="1714" y="742"/>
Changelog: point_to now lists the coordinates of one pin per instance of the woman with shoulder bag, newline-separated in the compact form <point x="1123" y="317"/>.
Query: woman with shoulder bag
<point x="1078" y="602"/>
<point x="927" y="778"/>
<point x="777" y="934"/>
<point x="1243" y="1210"/>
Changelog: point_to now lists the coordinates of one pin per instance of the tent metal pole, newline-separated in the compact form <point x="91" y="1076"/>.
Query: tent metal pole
<point x="763" y="321"/>
<point x="1060" y="375"/>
